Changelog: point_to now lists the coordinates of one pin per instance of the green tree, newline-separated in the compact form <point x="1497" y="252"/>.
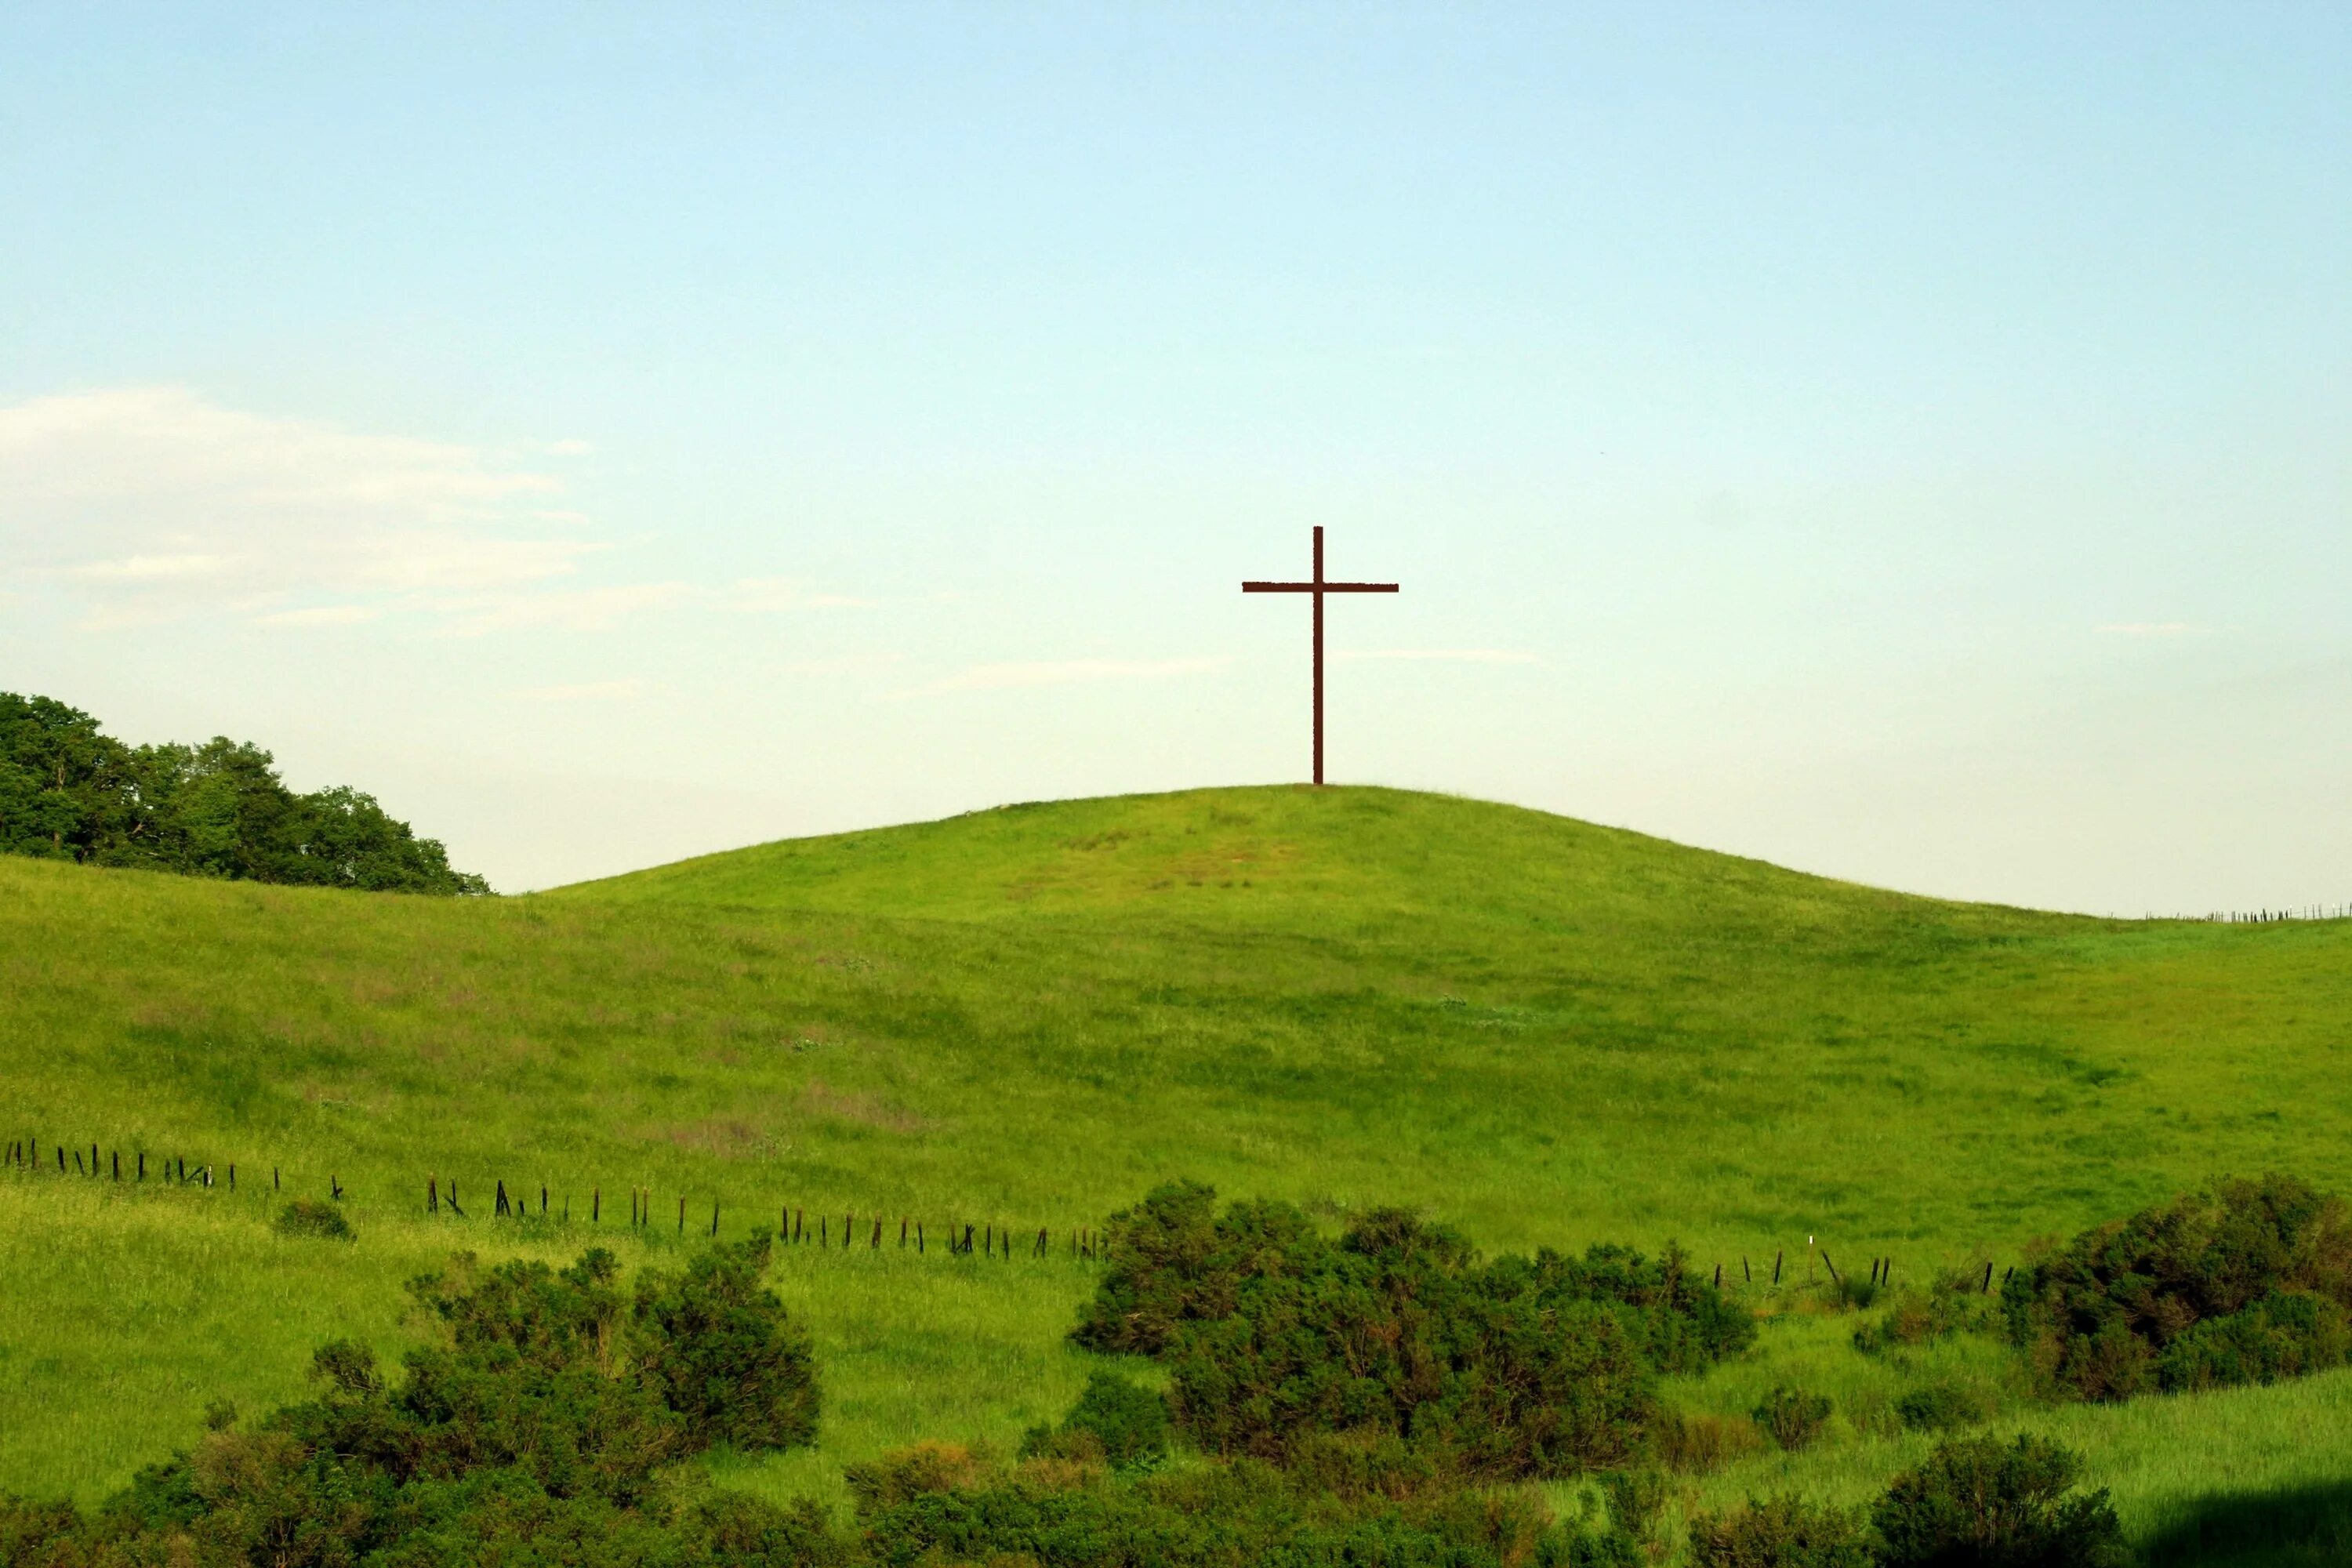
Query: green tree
<point x="67" y="791"/>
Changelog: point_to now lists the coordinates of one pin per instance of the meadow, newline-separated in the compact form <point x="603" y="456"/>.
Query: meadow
<point x="1538" y="1031"/>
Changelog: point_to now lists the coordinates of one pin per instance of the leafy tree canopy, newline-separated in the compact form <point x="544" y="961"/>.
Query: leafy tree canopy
<point x="68" y="790"/>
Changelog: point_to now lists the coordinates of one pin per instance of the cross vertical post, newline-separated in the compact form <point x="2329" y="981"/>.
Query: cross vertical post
<point x="1318" y="586"/>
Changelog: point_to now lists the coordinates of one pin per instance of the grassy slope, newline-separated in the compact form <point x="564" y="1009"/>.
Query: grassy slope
<point x="1543" y="1031"/>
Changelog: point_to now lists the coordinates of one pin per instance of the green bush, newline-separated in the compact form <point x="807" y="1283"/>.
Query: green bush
<point x="1791" y="1417"/>
<point x="524" y="1434"/>
<point x="1939" y="1407"/>
<point x="1782" y="1533"/>
<point x="1175" y="1261"/>
<point x="2284" y="1334"/>
<point x="1127" y="1423"/>
<point x="1397" y="1329"/>
<point x="2243" y="1283"/>
<point x="1274" y="1334"/>
<point x="1636" y="1497"/>
<point x="719" y="1347"/>
<point x="308" y="1216"/>
<point x="1977" y="1500"/>
<point x="1239" y="1515"/>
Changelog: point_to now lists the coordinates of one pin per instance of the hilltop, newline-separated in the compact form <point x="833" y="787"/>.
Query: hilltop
<point x="1539" y="1030"/>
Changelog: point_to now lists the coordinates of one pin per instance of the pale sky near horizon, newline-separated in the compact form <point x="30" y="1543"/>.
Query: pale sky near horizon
<point x="1903" y="443"/>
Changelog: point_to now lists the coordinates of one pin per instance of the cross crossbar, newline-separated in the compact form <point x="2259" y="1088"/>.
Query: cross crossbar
<point x="1318" y="586"/>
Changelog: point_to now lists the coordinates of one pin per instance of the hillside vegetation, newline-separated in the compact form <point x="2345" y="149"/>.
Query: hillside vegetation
<point x="1537" y="1031"/>
<point x="68" y="790"/>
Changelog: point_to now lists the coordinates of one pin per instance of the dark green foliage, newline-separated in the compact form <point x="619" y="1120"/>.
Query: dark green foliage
<point x="1273" y="1335"/>
<point x="1980" y="1501"/>
<point x="1791" y="1417"/>
<point x="1175" y="1261"/>
<point x="1636" y="1497"/>
<point x="526" y="1436"/>
<point x="2284" y="1334"/>
<point x="2245" y="1281"/>
<point x="308" y="1216"/>
<point x="941" y="1505"/>
<point x="1685" y="1323"/>
<point x="1397" y="1329"/>
<point x="70" y="791"/>
<point x="1118" y="1422"/>
<point x="1939" y="1407"/>
<point x="1781" y="1532"/>
<point x="719" y="1347"/>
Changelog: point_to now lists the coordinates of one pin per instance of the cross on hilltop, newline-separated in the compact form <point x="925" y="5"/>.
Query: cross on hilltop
<point x="1319" y="587"/>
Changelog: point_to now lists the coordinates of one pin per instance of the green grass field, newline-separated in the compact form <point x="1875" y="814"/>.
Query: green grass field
<point x="1539" y="1031"/>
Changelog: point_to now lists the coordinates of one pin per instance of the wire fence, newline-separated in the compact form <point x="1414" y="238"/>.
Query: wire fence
<point x="859" y="1230"/>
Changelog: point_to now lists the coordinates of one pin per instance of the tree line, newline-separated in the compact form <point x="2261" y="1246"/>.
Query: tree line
<point x="68" y="790"/>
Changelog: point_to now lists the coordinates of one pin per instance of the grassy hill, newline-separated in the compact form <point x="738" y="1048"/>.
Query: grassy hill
<point x="1542" y="1031"/>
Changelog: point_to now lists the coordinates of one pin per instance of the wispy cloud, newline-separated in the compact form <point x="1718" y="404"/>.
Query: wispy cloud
<point x="1060" y="672"/>
<point x="782" y="596"/>
<point x="1458" y="655"/>
<point x="562" y="609"/>
<point x="620" y="690"/>
<point x="320" y="616"/>
<point x="151" y="503"/>
<point x="2151" y="629"/>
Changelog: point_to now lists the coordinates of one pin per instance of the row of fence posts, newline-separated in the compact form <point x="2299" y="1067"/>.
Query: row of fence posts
<point x="25" y="1155"/>
<point x="2270" y="917"/>
<point x="992" y="1240"/>
<point x="989" y="1239"/>
<point x="1882" y="1272"/>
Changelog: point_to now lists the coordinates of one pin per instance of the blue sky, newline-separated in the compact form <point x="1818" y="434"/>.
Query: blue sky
<point x="1904" y="444"/>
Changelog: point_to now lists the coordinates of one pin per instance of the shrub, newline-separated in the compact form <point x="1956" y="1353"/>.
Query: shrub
<point x="2244" y="1281"/>
<point x="1499" y="1387"/>
<point x="723" y="1356"/>
<point x="1122" y="1423"/>
<point x="917" y="1470"/>
<point x="1914" y="1318"/>
<point x="1272" y="1334"/>
<point x="524" y="1435"/>
<point x="1980" y="1501"/>
<point x="308" y="1216"/>
<point x="1939" y="1407"/>
<point x="1237" y="1515"/>
<point x="1635" y="1499"/>
<point x="1365" y="1463"/>
<point x="1791" y="1417"/>
<point x="1783" y="1532"/>
<point x="1685" y="1323"/>
<point x="2284" y="1334"/>
<point x="1174" y="1260"/>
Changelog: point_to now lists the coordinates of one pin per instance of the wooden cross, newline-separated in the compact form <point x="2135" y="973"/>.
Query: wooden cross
<point x="1319" y="587"/>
